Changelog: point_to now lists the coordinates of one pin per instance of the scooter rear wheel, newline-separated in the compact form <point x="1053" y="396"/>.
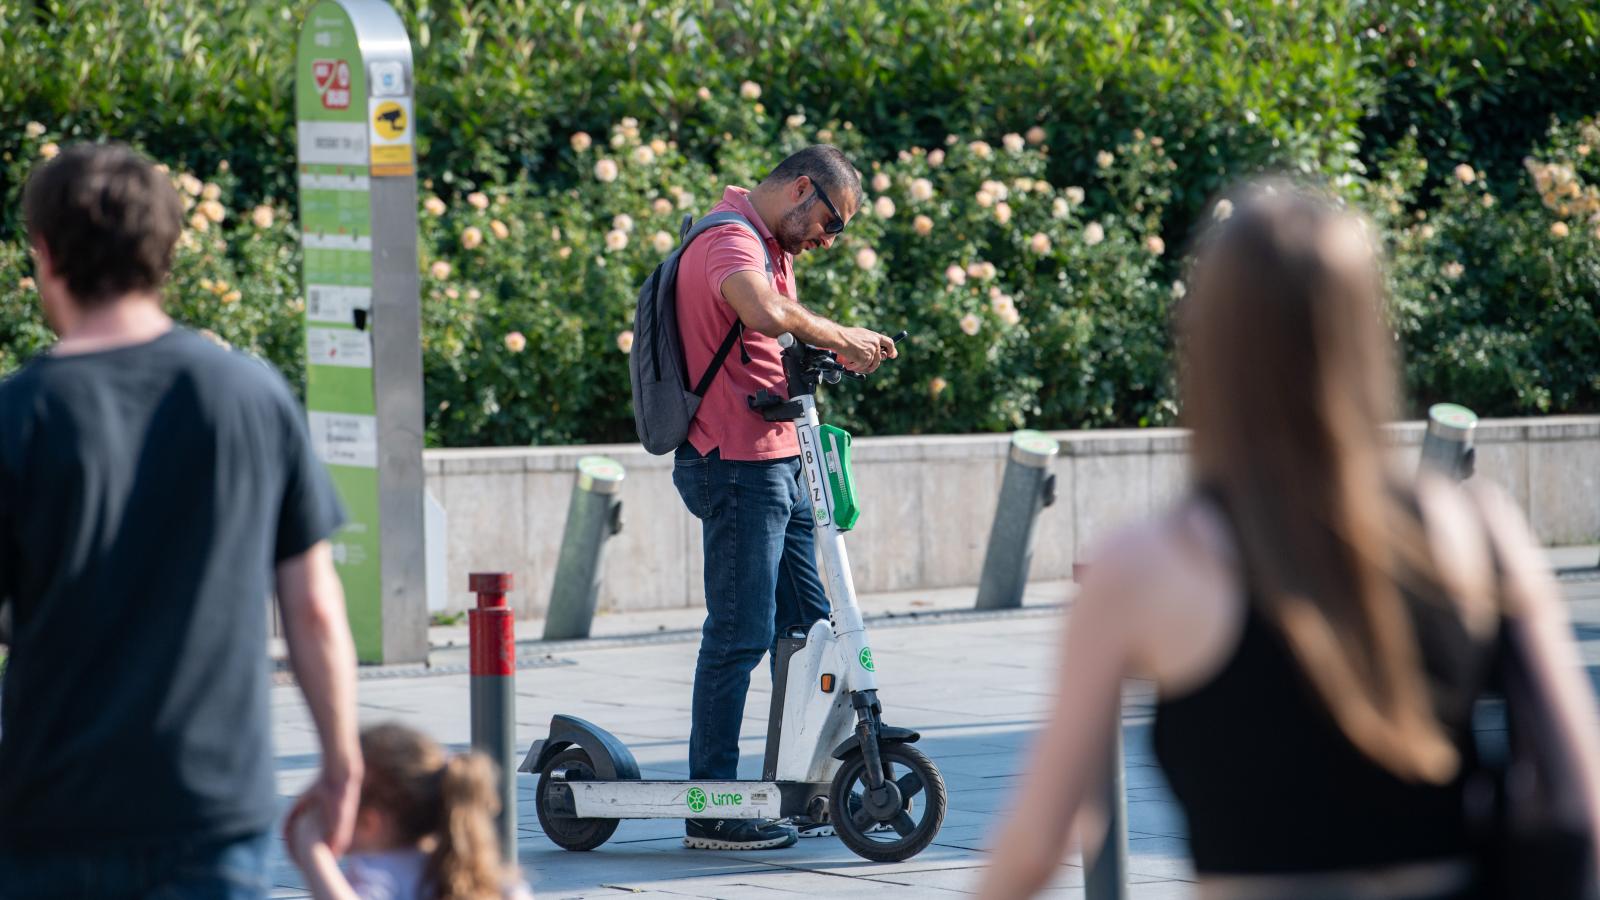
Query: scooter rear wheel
<point x="920" y="814"/>
<point x="567" y="832"/>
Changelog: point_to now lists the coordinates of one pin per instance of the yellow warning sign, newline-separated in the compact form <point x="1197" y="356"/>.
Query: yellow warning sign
<point x="389" y="120"/>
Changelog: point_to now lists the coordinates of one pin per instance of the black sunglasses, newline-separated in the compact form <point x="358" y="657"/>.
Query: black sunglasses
<point x="836" y="224"/>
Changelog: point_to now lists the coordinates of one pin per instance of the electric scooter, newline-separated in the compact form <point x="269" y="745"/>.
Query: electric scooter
<point x="830" y="759"/>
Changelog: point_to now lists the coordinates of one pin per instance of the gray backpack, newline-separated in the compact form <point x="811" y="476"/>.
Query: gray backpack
<point x="663" y="402"/>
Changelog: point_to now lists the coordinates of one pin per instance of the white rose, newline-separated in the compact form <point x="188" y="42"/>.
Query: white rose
<point x="605" y="170"/>
<point x="1039" y="243"/>
<point x="262" y="216"/>
<point x="922" y="190"/>
<point x="1093" y="233"/>
<point x="985" y="199"/>
<point x="478" y="200"/>
<point x="440" y="270"/>
<point x="795" y="121"/>
<point x="471" y="238"/>
<point x="1036" y="135"/>
<point x="922" y="225"/>
<point x="970" y="324"/>
<point x="1222" y="210"/>
<point x="997" y="188"/>
<point x="34" y="129"/>
<point x="434" y="206"/>
<point x="661" y="241"/>
<point x="1075" y="195"/>
<point x="881" y="182"/>
<point x="1465" y="175"/>
<point x="616" y="239"/>
<point x="1454" y="270"/>
<point x="1155" y="245"/>
<point x="935" y="158"/>
<point x="623" y="222"/>
<point x="581" y="141"/>
<point x="625" y="341"/>
<point x="1104" y="159"/>
<point x="883" y="208"/>
<point x="980" y="149"/>
<point x="1013" y="143"/>
<point x="500" y="230"/>
<point x="1179" y="289"/>
<point x="661" y="206"/>
<point x="1059" y="208"/>
<point x="866" y="258"/>
<point x="956" y="275"/>
<point x="749" y="90"/>
<point x="1002" y="213"/>
<point x="704" y="94"/>
<point x="643" y="155"/>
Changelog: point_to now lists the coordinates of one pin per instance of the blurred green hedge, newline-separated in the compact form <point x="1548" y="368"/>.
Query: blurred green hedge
<point x="1384" y="100"/>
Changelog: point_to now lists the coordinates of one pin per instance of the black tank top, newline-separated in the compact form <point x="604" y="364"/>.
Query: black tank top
<point x="1270" y="784"/>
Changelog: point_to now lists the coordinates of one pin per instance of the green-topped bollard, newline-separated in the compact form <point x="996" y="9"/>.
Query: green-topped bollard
<point x="1028" y="488"/>
<point x="1447" y="444"/>
<point x="594" y="514"/>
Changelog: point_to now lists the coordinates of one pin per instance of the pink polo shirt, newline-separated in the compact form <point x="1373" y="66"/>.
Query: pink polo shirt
<point x="725" y="420"/>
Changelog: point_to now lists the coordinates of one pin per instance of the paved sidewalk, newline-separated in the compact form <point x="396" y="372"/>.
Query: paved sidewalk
<point x="976" y="686"/>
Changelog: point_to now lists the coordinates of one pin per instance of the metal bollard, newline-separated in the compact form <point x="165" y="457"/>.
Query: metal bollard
<point x="1028" y="488"/>
<point x="1447" y="444"/>
<point x="593" y="515"/>
<point x="1106" y="875"/>
<point x="494" y="678"/>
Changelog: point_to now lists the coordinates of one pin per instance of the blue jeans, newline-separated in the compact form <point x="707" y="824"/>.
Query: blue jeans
<point x="761" y="580"/>
<point x="176" y="870"/>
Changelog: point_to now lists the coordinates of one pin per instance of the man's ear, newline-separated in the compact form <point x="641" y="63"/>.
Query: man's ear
<point x="802" y="186"/>
<point x="43" y="265"/>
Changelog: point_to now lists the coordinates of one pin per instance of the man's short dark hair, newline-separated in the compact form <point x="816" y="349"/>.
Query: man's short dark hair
<point x="824" y="165"/>
<point x="108" y="217"/>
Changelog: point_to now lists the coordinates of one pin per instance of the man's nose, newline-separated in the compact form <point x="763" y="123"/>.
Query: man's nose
<point x="828" y="239"/>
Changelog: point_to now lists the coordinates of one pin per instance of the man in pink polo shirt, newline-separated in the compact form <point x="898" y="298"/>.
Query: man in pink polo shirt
<point x="740" y="474"/>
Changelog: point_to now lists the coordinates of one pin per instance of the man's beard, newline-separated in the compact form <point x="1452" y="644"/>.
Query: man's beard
<point x="792" y="228"/>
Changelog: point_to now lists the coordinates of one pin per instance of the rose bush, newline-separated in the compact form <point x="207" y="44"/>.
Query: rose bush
<point x="1028" y="303"/>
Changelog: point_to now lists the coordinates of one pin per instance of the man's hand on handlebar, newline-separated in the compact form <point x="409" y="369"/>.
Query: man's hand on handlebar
<point x="864" y="350"/>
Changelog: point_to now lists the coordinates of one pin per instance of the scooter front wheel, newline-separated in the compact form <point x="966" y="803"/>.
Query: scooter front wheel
<point x="914" y="820"/>
<point x="567" y="832"/>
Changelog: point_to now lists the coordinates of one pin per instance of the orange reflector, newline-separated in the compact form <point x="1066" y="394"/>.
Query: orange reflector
<point x="827" y="684"/>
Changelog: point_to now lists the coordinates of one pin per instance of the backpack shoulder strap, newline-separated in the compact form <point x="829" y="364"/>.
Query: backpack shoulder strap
<point x="714" y="220"/>
<point x="727" y="217"/>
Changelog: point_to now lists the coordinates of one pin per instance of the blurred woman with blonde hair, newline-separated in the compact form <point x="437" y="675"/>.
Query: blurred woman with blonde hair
<point x="424" y="830"/>
<point x="1318" y="628"/>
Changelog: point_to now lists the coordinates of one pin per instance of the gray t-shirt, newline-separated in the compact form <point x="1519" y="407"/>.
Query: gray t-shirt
<point x="146" y="494"/>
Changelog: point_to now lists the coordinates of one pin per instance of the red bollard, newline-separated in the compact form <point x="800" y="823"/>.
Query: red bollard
<point x="494" y="671"/>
